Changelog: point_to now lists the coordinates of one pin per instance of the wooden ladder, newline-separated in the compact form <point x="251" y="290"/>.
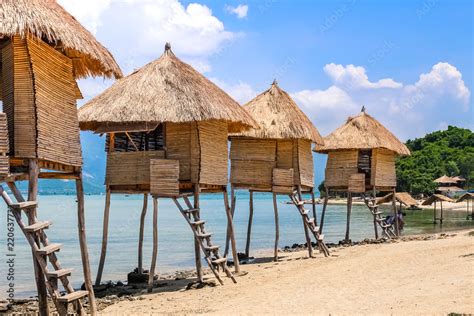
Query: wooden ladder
<point x="43" y="252"/>
<point x="309" y="222"/>
<point x="387" y="229"/>
<point x="211" y="252"/>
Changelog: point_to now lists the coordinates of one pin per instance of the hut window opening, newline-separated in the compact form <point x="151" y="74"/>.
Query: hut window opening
<point x="364" y="163"/>
<point x="138" y="141"/>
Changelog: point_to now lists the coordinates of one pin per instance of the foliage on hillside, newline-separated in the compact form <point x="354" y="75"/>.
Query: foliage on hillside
<point x="449" y="152"/>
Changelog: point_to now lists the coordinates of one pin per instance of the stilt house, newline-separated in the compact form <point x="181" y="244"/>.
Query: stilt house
<point x="277" y="157"/>
<point x="167" y="128"/>
<point x="361" y="158"/>
<point x="43" y="51"/>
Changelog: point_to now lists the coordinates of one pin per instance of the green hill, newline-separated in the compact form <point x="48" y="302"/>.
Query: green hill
<point x="449" y="152"/>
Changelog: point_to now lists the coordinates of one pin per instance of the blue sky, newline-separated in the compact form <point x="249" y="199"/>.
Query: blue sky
<point x="409" y="62"/>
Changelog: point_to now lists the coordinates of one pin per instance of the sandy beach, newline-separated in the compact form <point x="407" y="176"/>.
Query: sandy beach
<point x="433" y="274"/>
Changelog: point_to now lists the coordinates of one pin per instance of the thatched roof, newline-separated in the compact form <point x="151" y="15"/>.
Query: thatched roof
<point x="445" y="179"/>
<point x="449" y="189"/>
<point x="47" y="20"/>
<point x="362" y="132"/>
<point x="458" y="179"/>
<point x="437" y="198"/>
<point x="465" y="197"/>
<point x="279" y="117"/>
<point x="165" y="90"/>
<point x="402" y="197"/>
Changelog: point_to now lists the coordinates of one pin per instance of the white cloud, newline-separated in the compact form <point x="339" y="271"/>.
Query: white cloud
<point x="88" y="12"/>
<point x="240" y="11"/>
<point x="241" y="92"/>
<point x="355" y="77"/>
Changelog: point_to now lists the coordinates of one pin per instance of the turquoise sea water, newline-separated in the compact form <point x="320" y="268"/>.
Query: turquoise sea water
<point x="176" y="247"/>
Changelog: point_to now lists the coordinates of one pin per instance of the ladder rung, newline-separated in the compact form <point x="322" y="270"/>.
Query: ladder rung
<point x="321" y="237"/>
<point x="24" y="205"/>
<point x="377" y="213"/>
<point x="218" y="261"/>
<point x="316" y="229"/>
<point x="305" y="212"/>
<point x="59" y="273"/>
<point x="204" y="235"/>
<point x="72" y="296"/>
<point x="191" y="210"/>
<point x="37" y="226"/>
<point x="197" y="223"/>
<point x="299" y="203"/>
<point x="49" y="249"/>
<point x="310" y="221"/>
<point x="211" y="248"/>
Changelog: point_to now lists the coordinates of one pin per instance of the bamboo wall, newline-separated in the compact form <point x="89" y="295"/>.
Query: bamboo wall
<point x="214" y="153"/>
<point x="340" y="166"/>
<point x="383" y="172"/>
<point x="305" y="163"/>
<point x="4" y="146"/>
<point x="178" y="147"/>
<point x="164" y="177"/>
<point x="130" y="168"/>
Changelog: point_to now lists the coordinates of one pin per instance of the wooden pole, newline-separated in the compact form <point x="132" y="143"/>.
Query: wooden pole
<point x="395" y="213"/>
<point x="39" y="276"/>
<point x="249" y="227"/>
<point x="105" y="234"/>
<point x="434" y="213"/>
<point x="230" y="225"/>
<point x="349" y="210"/>
<point x="305" y="227"/>
<point x="141" y="233"/>
<point x="376" y="230"/>
<point x="277" y="229"/>
<point x="197" y="247"/>
<point x="323" y="214"/>
<point x="441" y="218"/>
<point x="232" y="203"/>
<point x="151" y="275"/>
<point x="313" y="200"/>
<point x="81" y="222"/>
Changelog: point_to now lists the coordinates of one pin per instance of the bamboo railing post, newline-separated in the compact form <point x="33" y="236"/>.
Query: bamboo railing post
<point x="349" y="210"/>
<point x="81" y="222"/>
<point x="249" y="227"/>
<point x="323" y="214"/>
<point x="197" y="247"/>
<point x="141" y="233"/>
<point x="376" y="230"/>
<point x="395" y="213"/>
<point x="105" y="234"/>
<point x="39" y="276"/>
<point x="151" y="275"/>
<point x="277" y="228"/>
<point x="230" y="226"/>
<point x="306" y="233"/>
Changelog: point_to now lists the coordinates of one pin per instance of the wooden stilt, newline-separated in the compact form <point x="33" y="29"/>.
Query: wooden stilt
<point x="395" y="213"/>
<point x="434" y="213"/>
<point x="441" y="215"/>
<point x="323" y="214"/>
<point x="230" y="225"/>
<point x="376" y="230"/>
<point x="39" y="276"/>
<point x="83" y="244"/>
<point x="349" y="210"/>
<point x="306" y="233"/>
<point x="141" y="233"/>
<point x="197" y="247"/>
<point x="151" y="275"/>
<point x="249" y="227"/>
<point x="277" y="228"/>
<point x="313" y="201"/>
<point x="105" y="233"/>
<point x="232" y="203"/>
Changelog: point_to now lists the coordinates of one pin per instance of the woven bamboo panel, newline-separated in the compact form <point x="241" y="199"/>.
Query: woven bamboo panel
<point x="178" y="147"/>
<point x="296" y="165"/>
<point x="285" y="154"/>
<point x="342" y="159"/>
<point x="252" y="173"/>
<point x="282" y="177"/>
<point x="338" y="177"/>
<point x="57" y="123"/>
<point x="383" y="168"/>
<point x="252" y="149"/>
<point x="305" y="162"/>
<point x="4" y="160"/>
<point x="18" y="98"/>
<point x="356" y="183"/>
<point x="195" y="153"/>
<point x="214" y="152"/>
<point x="130" y="168"/>
<point x="164" y="177"/>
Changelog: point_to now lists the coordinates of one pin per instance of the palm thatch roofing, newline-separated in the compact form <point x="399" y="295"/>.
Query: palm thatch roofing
<point x="165" y="90"/>
<point x="465" y="197"/>
<point x="362" y="132"/>
<point x="449" y="189"/>
<point x="48" y="21"/>
<point x="401" y="197"/>
<point x="458" y="179"/>
<point x="445" y="179"/>
<point x="436" y="198"/>
<point x="279" y="117"/>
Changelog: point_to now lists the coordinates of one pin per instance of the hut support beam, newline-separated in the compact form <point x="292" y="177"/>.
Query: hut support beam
<point x="277" y="227"/>
<point x="323" y="214"/>
<point x="81" y="222"/>
<point x="249" y="227"/>
<point x="395" y="213"/>
<point x="434" y="213"/>
<point x="151" y="275"/>
<point x="141" y="233"/>
<point x="441" y="215"/>
<point x="313" y="201"/>
<point x="105" y="234"/>
<point x="230" y="227"/>
<point x="376" y="230"/>
<point x="306" y="232"/>
<point x="197" y="247"/>
<point x="349" y="211"/>
<point x="39" y="276"/>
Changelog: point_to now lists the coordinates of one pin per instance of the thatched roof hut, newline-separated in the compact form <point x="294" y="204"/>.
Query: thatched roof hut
<point x="445" y="180"/>
<point x="401" y="197"/>
<point x="465" y="197"/>
<point x="165" y="90"/>
<point x="437" y="198"/>
<point x="48" y="21"/>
